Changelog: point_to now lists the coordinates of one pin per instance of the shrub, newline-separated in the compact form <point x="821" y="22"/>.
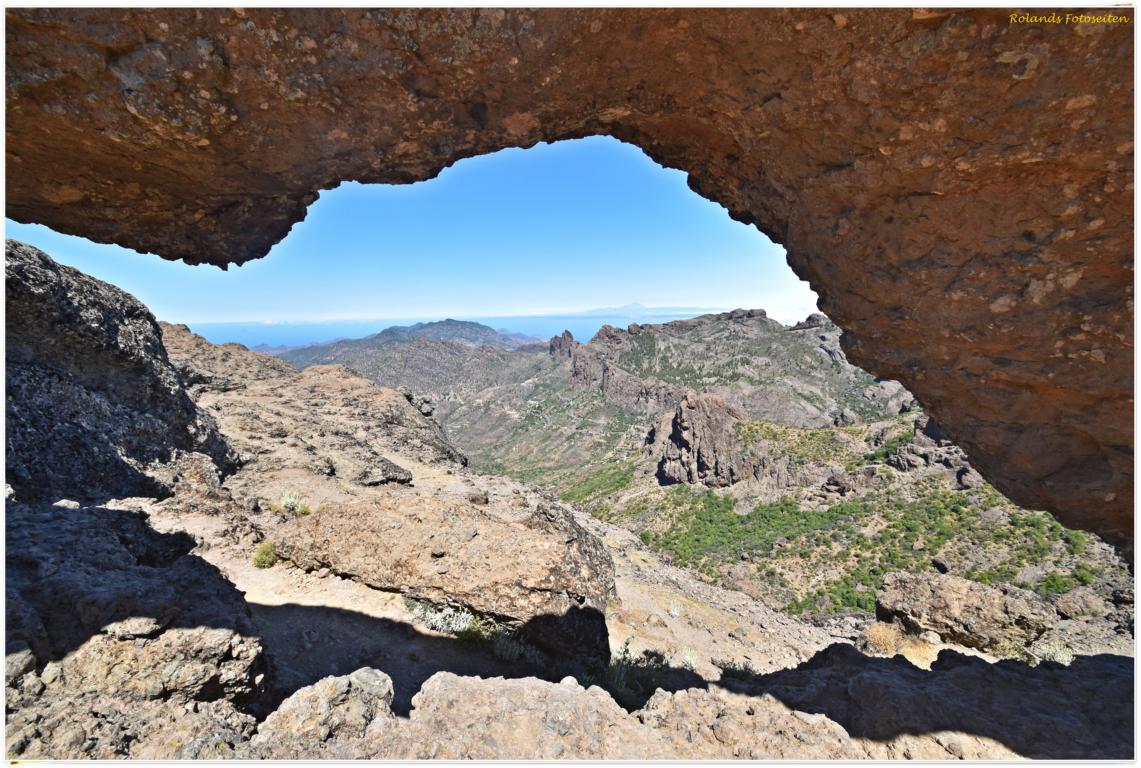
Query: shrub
<point x="295" y="503"/>
<point x="449" y="619"/>
<point x="883" y="638"/>
<point x="265" y="556"/>
<point x="1054" y="651"/>
<point x="631" y="679"/>
<point x="1055" y="584"/>
<point x="506" y="646"/>
<point x="1077" y="542"/>
<point x="740" y="670"/>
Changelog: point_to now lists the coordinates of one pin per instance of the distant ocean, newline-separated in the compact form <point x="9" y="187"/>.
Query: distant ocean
<point x="583" y="326"/>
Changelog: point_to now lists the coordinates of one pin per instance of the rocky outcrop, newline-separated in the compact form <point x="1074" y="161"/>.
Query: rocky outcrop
<point x="999" y="618"/>
<point x="326" y="418"/>
<point x="592" y="368"/>
<point x="326" y="720"/>
<point x="702" y="442"/>
<point x="563" y="345"/>
<point x="840" y="705"/>
<point x="918" y="218"/>
<point x="118" y="642"/>
<point x="929" y="447"/>
<point x="464" y="718"/>
<point x="553" y="586"/>
<point x="94" y="408"/>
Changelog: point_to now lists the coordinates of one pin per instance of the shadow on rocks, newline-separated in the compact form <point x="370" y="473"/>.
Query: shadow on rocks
<point x="74" y="575"/>
<point x="1051" y="711"/>
<point x="307" y="643"/>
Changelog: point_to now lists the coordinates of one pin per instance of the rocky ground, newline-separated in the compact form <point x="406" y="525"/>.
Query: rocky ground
<point x="342" y="589"/>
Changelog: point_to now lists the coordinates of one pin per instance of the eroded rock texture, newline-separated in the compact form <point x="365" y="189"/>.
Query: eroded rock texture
<point x="956" y="187"/>
<point x="94" y="407"/>
<point x="702" y="441"/>
<point x="554" y="586"/>
<point x="119" y="642"/>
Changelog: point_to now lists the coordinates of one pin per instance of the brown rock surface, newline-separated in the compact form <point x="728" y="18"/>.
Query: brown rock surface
<point x="701" y="442"/>
<point x="839" y="705"/>
<point x="955" y="186"/>
<point x="137" y="648"/>
<point x="94" y="407"/>
<point x="975" y="615"/>
<point x="554" y="582"/>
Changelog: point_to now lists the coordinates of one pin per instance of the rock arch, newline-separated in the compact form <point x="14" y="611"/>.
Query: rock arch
<point x="957" y="186"/>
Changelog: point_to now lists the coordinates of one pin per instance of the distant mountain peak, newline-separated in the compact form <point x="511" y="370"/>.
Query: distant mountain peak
<point x="464" y="332"/>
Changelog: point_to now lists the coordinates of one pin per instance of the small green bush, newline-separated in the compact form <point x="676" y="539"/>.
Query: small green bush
<point x="1055" y="584"/>
<point x="1077" y="541"/>
<point x="265" y="556"/>
<point x="294" y="503"/>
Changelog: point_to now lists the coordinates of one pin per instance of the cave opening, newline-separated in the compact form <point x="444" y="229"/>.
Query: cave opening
<point x="964" y="217"/>
<point x="698" y="399"/>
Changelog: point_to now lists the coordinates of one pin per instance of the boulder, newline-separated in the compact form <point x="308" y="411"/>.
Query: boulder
<point x="384" y="471"/>
<point x="990" y="618"/>
<point x="1081" y="602"/>
<point x="532" y="568"/>
<point x="126" y="629"/>
<point x="1071" y="638"/>
<point x="94" y="409"/>
<point x="325" y="720"/>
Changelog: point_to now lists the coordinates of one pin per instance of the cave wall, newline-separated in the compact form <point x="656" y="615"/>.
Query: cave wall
<point x="957" y="187"/>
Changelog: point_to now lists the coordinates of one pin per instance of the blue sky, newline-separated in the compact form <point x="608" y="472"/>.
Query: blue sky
<point x="556" y="228"/>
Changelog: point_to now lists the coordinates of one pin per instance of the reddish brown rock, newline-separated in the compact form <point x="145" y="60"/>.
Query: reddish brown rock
<point x="957" y="187"/>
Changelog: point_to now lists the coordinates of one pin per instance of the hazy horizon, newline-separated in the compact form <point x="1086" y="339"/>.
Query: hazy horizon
<point x="582" y="325"/>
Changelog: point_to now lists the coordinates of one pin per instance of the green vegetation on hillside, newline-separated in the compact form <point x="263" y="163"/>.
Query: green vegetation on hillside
<point x="889" y="446"/>
<point x="611" y="478"/>
<point x="862" y="539"/>
<point x="807" y="445"/>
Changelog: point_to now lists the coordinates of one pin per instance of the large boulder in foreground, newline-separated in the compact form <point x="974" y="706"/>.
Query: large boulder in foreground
<point x="468" y="718"/>
<point x="839" y="705"/>
<point x="532" y="567"/>
<point x="991" y="618"/>
<point x="94" y="407"/>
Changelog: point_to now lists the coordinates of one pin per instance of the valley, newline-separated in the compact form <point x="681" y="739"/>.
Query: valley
<point x="749" y="452"/>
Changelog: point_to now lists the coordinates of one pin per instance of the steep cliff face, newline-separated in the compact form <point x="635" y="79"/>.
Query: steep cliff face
<point x="957" y="186"/>
<point x="702" y="442"/>
<point x="94" y="406"/>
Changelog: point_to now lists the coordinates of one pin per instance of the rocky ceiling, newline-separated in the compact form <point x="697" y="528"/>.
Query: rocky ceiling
<point x="957" y="186"/>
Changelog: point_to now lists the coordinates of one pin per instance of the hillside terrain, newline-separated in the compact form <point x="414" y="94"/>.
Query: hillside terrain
<point x="461" y="332"/>
<point x="750" y="452"/>
<point x="314" y="572"/>
<point x="537" y="410"/>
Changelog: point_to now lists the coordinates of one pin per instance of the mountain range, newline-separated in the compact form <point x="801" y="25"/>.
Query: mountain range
<point x="747" y="450"/>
